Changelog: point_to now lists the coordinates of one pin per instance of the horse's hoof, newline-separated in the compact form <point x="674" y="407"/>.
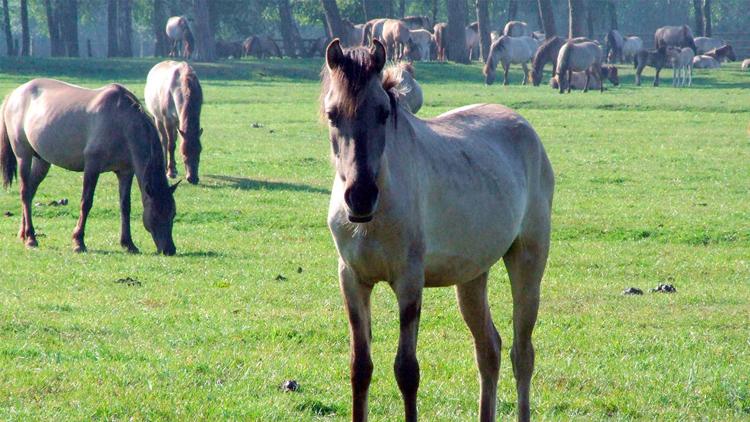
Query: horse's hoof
<point x="31" y="242"/>
<point x="79" y="248"/>
<point x="131" y="248"/>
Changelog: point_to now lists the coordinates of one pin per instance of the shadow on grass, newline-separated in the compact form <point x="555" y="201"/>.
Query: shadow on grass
<point x="245" y="183"/>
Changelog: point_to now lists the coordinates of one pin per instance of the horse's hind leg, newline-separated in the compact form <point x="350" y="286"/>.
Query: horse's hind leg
<point x="525" y="262"/>
<point x="506" y="67"/>
<point x="656" y="79"/>
<point x="525" y="73"/>
<point x="357" y="301"/>
<point x="125" y="179"/>
<point x="90" y="178"/>
<point x="31" y="173"/>
<point x="472" y="300"/>
<point x="171" y="143"/>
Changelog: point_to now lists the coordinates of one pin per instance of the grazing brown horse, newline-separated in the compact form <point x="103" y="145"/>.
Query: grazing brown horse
<point x="178" y="31"/>
<point x="433" y="203"/>
<point x="586" y="57"/>
<point x="174" y="97"/>
<point x="722" y="54"/>
<point x="396" y="37"/>
<point x="675" y="36"/>
<point x="654" y="58"/>
<point x="46" y="122"/>
<point x="260" y="46"/>
<point x="547" y="53"/>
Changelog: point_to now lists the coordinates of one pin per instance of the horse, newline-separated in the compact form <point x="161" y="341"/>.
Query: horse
<point x="423" y="203"/>
<point x="547" y="53"/>
<point x="682" y="65"/>
<point x="174" y="97"/>
<point x="675" y="36"/>
<point x="422" y="40"/>
<point x="440" y="32"/>
<point x="723" y="54"/>
<point x="417" y="22"/>
<point x="746" y="64"/>
<point x="354" y="32"/>
<point x="654" y="58"/>
<point x="261" y="46"/>
<point x="509" y="50"/>
<point x="614" y="46"/>
<point x="178" y="31"/>
<point x="373" y="29"/>
<point x="408" y="89"/>
<point x="704" y="44"/>
<point x="396" y="37"/>
<point x="229" y="49"/>
<point x="472" y="40"/>
<point x="631" y="45"/>
<point x="45" y="122"/>
<point x="516" y="29"/>
<point x="579" y="79"/>
<point x="586" y="56"/>
<point x="705" y="62"/>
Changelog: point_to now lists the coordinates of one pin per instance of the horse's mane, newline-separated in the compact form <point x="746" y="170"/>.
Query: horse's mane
<point x="540" y="56"/>
<point x="353" y="75"/>
<point x="474" y="26"/>
<point x="193" y="94"/>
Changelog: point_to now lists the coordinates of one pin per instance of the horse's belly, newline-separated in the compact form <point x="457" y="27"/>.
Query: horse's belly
<point x="60" y="142"/>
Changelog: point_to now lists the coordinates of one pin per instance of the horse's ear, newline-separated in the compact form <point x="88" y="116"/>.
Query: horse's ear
<point x="334" y="55"/>
<point x="378" y="54"/>
<point x="174" y="187"/>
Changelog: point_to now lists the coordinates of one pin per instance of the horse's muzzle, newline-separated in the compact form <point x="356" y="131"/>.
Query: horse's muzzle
<point x="361" y="201"/>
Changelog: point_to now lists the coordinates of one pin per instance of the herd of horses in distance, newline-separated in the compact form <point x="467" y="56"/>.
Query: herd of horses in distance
<point x="417" y="203"/>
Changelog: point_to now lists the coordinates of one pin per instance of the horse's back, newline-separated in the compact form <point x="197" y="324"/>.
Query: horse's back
<point x="175" y="27"/>
<point x="162" y="79"/>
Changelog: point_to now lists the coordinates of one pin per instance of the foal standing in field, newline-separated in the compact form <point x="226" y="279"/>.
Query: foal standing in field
<point x="174" y="97"/>
<point x="46" y="122"/>
<point x="432" y="203"/>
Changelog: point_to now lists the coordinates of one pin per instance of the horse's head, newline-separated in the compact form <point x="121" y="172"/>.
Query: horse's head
<point x="729" y="53"/>
<point x="611" y="73"/>
<point x="536" y="77"/>
<point x="159" y="207"/>
<point x="491" y="64"/>
<point x="359" y="104"/>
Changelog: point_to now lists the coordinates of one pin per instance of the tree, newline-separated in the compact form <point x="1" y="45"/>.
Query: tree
<point x="707" y="18"/>
<point x="53" y="29"/>
<point x="548" y="18"/>
<point x="112" y="50"/>
<point x="66" y="14"/>
<point x="25" y="36"/>
<point x="204" y="37"/>
<point x="590" y="19"/>
<point x="512" y="9"/>
<point x="401" y="8"/>
<point x="125" y="28"/>
<point x="6" y="28"/>
<point x="698" y="10"/>
<point x="288" y="28"/>
<point x="612" y="11"/>
<point x="159" y="20"/>
<point x="483" y="17"/>
<point x="456" y="31"/>
<point x="334" y="24"/>
<point x="576" y="18"/>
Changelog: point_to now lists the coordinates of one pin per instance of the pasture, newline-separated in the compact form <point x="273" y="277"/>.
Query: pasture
<point x="652" y="187"/>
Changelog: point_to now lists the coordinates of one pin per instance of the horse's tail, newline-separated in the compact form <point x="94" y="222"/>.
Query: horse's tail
<point x="189" y="42"/>
<point x="8" y="162"/>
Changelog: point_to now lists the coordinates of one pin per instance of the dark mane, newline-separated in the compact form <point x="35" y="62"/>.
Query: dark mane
<point x="193" y="94"/>
<point x="353" y="76"/>
<point x="474" y="26"/>
<point x="547" y="52"/>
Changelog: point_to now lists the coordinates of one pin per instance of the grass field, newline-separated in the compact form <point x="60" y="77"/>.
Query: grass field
<point x="652" y="187"/>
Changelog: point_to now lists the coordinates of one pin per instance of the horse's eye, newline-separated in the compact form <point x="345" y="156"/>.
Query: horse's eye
<point x="333" y="116"/>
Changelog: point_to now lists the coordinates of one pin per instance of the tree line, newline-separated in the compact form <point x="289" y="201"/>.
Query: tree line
<point x="60" y="20"/>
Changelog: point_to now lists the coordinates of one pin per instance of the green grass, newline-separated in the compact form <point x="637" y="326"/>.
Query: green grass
<point x="652" y="187"/>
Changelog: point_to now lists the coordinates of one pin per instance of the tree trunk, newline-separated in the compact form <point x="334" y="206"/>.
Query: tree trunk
<point x="698" y="11"/>
<point x="485" y="39"/>
<point x="334" y="25"/>
<point x="125" y="28"/>
<point x="159" y="21"/>
<point x="25" y="36"/>
<point x="112" y="50"/>
<point x="401" y="8"/>
<point x="6" y="28"/>
<point x="512" y="9"/>
<point x="68" y="24"/>
<point x="53" y="28"/>
<point x="289" y="32"/>
<point x="548" y="18"/>
<point x="576" y="18"/>
<point x="612" y="11"/>
<point x="434" y="12"/>
<point x="590" y="19"/>
<point x="204" y="38"/>
<point x="707" y="18"/>
<point x="456" y="31"/>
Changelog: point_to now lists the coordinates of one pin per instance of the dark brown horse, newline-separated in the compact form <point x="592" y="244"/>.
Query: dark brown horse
<point x="654" y="58"/>
<point x="547" y="53"/>
<point x="722" y="54"/>
<point x="46" y="122"/>
<point x="675" y="36"/>
<point x="260" y="46"/>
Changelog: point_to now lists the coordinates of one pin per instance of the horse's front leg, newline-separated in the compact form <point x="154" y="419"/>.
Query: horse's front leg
<point x="674" y="75"/>
<point x="171" y="132"/>
<point x="588" y="78"/>
<point x="656" y="79"/>
<point x="125" y="179"/>
<point x="408" y="288"/>
<point x="31" y="173"/>
<point x="90" y="178"/>
<point x="357" y="301"/>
